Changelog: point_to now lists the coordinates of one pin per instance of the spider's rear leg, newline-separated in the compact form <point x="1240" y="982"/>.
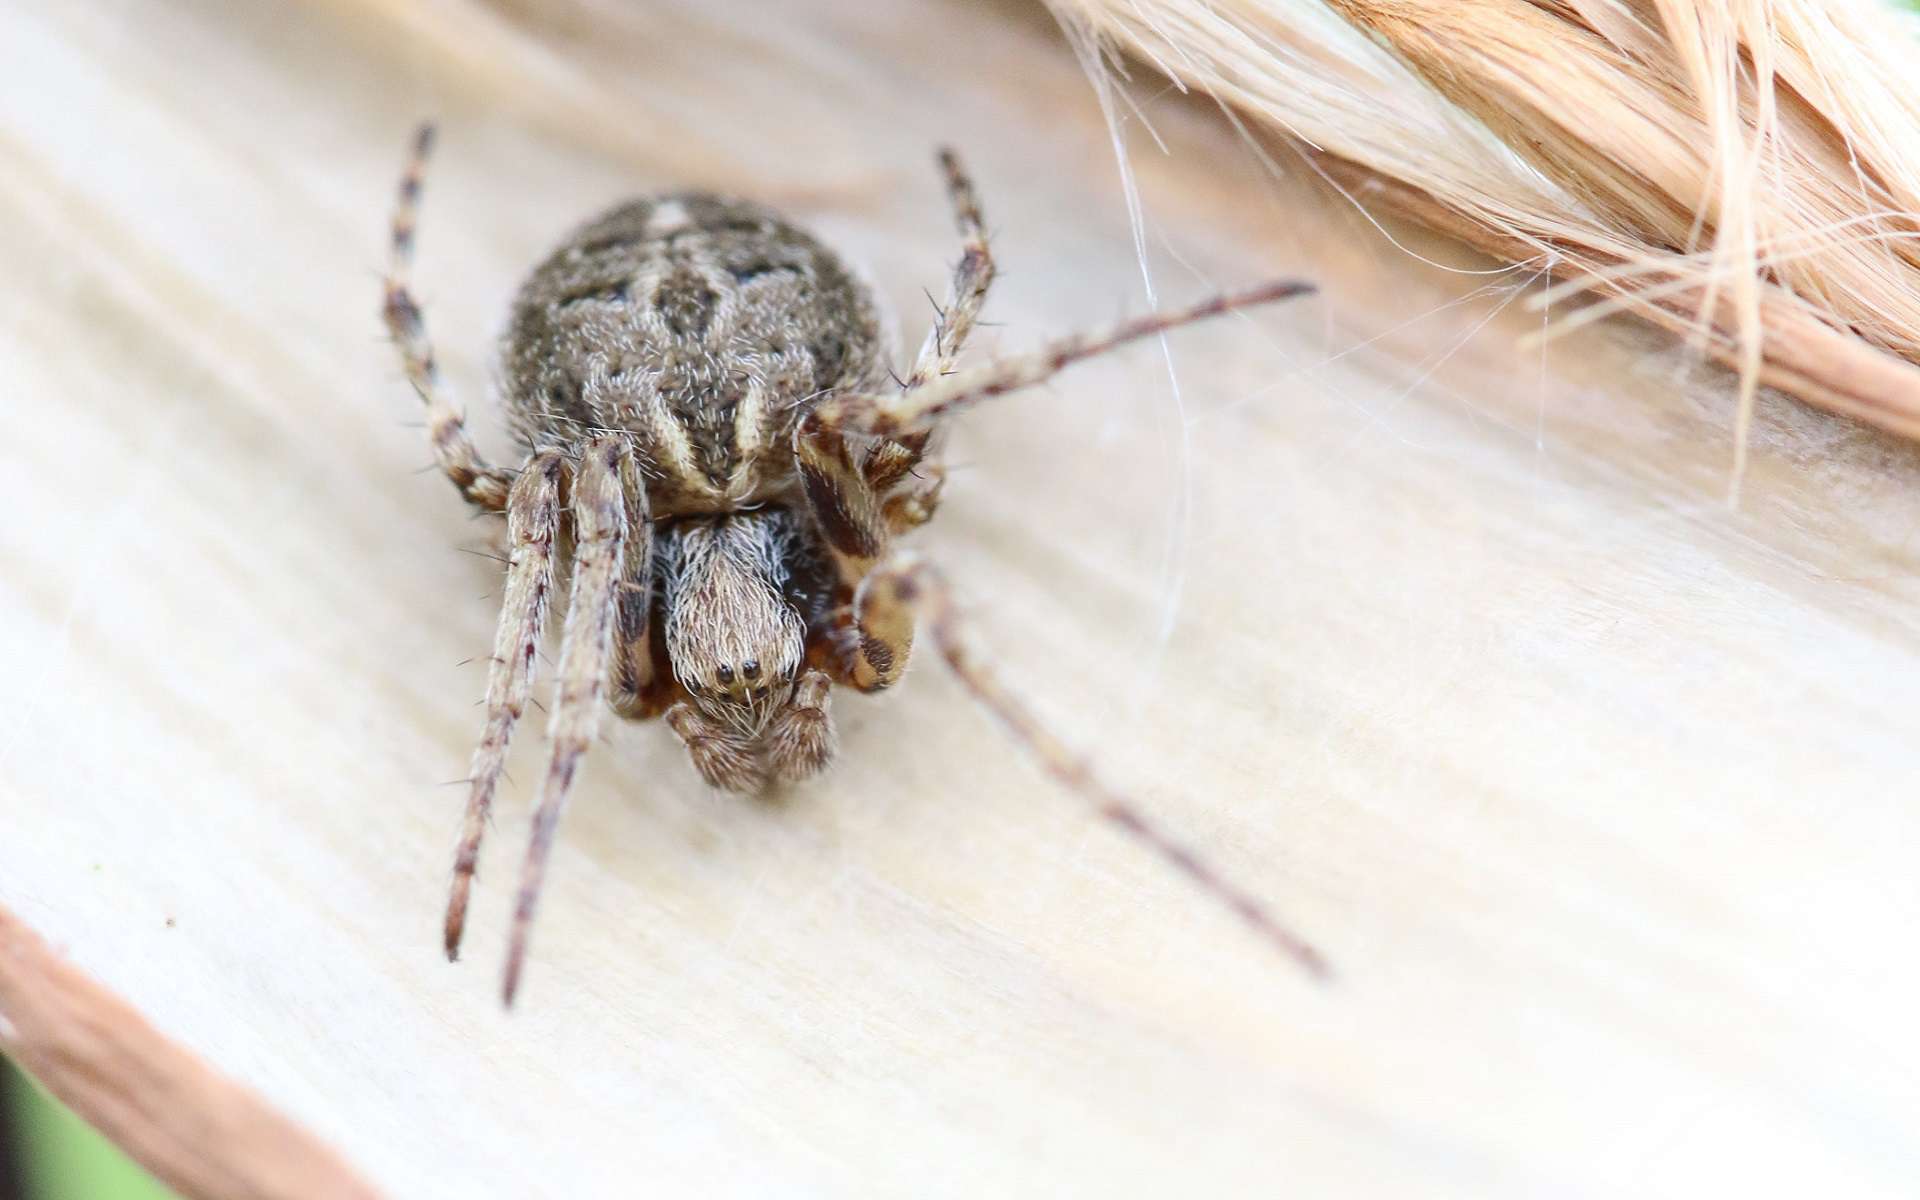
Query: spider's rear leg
<point x="600" y="537"/>
<point x="920" y="409"/>
<point x="453" y="447"/>
<point x="972" y="276"/>
<point x="533" y="524"/>
<point x="896" y="469"/>
<point x="907" y="585"/>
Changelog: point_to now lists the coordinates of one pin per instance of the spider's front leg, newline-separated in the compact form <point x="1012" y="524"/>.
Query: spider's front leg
<point x="597" y="503"/>
<point x="533" y="528"/>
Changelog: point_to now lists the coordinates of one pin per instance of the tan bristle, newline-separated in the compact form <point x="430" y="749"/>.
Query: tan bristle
<point x="1743" y="171"/>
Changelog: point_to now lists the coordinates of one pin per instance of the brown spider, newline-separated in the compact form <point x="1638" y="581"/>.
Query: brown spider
<point x="703" y="394"/>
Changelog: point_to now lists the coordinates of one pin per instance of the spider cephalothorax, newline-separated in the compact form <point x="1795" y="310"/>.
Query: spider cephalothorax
<point x="709" y="420"/>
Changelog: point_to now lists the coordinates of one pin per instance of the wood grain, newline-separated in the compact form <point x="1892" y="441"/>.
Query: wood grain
<point x="1598" y="796"/>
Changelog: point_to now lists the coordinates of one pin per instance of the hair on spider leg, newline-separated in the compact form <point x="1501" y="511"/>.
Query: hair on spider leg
<point x="918" y="582"/>
<point x="725" y="540"/>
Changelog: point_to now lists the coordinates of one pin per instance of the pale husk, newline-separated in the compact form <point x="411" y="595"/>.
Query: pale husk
<point x="1745" y="171"/>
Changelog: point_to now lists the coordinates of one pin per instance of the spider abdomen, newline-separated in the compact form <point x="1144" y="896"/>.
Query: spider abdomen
<point x="699" y="326"/>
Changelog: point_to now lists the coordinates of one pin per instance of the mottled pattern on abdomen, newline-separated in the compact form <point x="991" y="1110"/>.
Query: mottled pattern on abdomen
<point x="702" y="327"/>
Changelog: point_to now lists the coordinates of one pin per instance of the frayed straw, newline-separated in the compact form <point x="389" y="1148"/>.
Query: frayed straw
<point x="1746" y="172"/>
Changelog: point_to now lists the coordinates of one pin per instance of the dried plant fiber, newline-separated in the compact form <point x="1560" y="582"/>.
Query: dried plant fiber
<point x="1746" y="171"/>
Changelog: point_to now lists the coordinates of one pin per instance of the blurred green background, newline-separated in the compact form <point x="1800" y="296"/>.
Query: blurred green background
<point x="53" y="1155"/>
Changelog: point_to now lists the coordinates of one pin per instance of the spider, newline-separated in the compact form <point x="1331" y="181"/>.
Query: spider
<point x="711" y="428"/>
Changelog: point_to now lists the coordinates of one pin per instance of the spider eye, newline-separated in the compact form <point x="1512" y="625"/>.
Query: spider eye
<point x="751" y="668"/>
<point x="726" y="674"/>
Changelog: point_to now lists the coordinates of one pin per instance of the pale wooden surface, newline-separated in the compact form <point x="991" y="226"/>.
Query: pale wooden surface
<point x="1600" y="798"/>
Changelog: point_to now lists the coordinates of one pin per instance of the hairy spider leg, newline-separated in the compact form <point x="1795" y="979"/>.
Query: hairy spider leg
<point x="639" y="690"/>
<point x="906" y="586"/>
<point x="875" y="633"/>
<point x="910" y="412"/>
<point x="600" y="539"/>
<point x="898" y="470"/>
<point x="453" y="449"/>
<point x="533" y="528"/>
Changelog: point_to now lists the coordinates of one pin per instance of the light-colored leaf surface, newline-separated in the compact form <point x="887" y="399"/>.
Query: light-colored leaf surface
<point x="1600" y="797"/>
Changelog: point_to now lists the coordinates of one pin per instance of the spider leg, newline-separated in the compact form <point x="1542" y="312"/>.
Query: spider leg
<point x="638" y="689"/>
<point x="911" y="505"/>
<point x="874" y="635"/>
<point x="972" y="276"/>
<point x="453" y="448"/>
<point x="890" y="462"/>
<point x="599" y="509"/>
<point x="533" y="523"/>
<point x="871" y="647"/>
<point x="907" y="585"/>
<point x="920" y="408"/>
<point x="844" y="504"/>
